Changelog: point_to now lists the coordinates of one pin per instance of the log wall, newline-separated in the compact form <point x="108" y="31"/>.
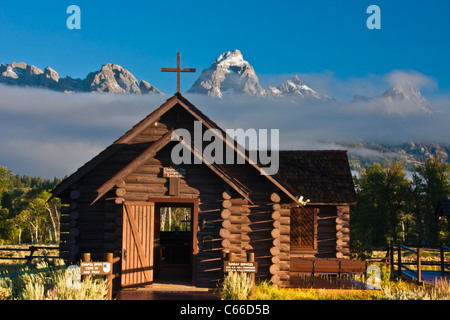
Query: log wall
<point x="343" y="232"/>
<point x="225" y="219"/>
<point x="280" y="249"/>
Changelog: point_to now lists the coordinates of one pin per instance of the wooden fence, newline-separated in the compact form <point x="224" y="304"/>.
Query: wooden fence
<point x="32" y="250"/>
<point x="404" y="268"/>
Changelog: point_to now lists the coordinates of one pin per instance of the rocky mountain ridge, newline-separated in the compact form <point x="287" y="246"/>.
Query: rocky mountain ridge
<point x="232" y="74"/>
<point x="111" y="78"/>
<point x="229" y="74"/>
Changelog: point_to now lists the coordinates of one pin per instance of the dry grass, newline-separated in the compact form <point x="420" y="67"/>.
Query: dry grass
<point x="48" y="281"/>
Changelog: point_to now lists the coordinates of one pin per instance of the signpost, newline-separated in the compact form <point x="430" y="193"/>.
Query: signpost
<point x="169" y="172"/>
<point x="95" y="268"/>
<point x="250" y="266"/>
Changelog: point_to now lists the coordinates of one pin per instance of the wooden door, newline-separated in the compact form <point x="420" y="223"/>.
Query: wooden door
<point x="137" y="243"/>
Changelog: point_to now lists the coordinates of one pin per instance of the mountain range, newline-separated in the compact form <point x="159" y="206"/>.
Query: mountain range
<point x="229" y="74"/>
<point x="111" y="78"/>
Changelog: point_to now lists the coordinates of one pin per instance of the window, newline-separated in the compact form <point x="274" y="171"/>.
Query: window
<point x="303" y="228"/>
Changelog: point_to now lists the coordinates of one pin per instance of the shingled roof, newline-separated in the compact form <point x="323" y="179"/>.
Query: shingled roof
<point x="322" y="176"/>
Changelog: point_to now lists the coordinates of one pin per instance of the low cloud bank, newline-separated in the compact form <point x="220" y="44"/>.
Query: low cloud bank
<point x="52" y="134"/>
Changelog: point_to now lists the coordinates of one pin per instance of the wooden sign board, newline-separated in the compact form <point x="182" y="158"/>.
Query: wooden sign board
<point x="174" y="172"/>
<point x="249" y="267"/>
<point x="95" y="268"/>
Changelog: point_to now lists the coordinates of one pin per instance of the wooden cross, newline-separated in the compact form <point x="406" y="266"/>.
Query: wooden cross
<point x="178" y="69"/>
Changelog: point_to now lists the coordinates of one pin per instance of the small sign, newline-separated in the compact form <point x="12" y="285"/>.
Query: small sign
<point x="208" y="224"/>
<point x="95" y="268"/>
<point x="174" y="172"/>
<point x="249" y="267"/>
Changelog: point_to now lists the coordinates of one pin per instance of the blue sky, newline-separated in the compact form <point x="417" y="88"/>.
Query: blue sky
<point x="276" y="37"/>
<point x="326" y="42"/>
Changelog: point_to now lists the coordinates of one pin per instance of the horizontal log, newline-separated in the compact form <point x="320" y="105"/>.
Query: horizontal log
<point x="342" y="242"/>
<point x="224" y="233"/>
<point x="239" y="201"/>
<point x="340" y="235"/>
<point x="278" y="243"/>
<point x="285" y="221"/>
<point x="74" y="232"/>
<point x="239" y="209"/>
<point x="276" y="268"/>
<point x="227" y="204"/>
<point x="281" y="257"/>
<point x="281" y="280"/>
<point x="226" y="224"/>
<point x="342" y="228"/>
<point x="275" y="233"/>
<point x="343" y="210"/>
<point x="73" y="250"/>
<point x="276" y="215"/>
<point x="345" y="251"/>
<point x="119" y="200"/>
<point x="275" y="279"/>
<point x="227" y="195"/>
<point x="225" y="214"/>
<point x="275" y="197"/>
<point x="146" y="188"/>
<point x="285" y="229"/>
<point x="225" y="243"/>
<point x="75" y="194"/>
<point x="274" y="251"/>
<point x="276" y="207"/>
<point x="344" y="223"/>
<point x="344" y="216"/>
<point x="341" y="255"/>
<point x="120" y="184"/>
<point x="120" y="192"/>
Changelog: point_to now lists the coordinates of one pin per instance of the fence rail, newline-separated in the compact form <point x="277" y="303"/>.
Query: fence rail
<point x="32" y="249"/>
<point x="418" y="272"/>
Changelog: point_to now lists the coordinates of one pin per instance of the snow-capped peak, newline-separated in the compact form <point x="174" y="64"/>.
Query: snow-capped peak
<point x="229" y="73"/>
<point x="399" y="99"/>
<point x="229" y="58"/>
<point x="296" y="87"/>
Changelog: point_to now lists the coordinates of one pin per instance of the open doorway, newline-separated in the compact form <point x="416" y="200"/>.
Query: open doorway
<point x="173" y="243"/>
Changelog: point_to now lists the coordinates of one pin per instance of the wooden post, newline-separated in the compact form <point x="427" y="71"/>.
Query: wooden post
<point x="365" y="274"/>
<point x="30" y="257"/>
<point x="419" y="266"/>
<point x="86" y="258"/>
<point x="391" y="256"/>
<point x="251" y="258"/>
<point x="441" y="249"/>
<point x="110" y="277"/>
<point x="222" y="266"/>
<point x="399" y="259"/>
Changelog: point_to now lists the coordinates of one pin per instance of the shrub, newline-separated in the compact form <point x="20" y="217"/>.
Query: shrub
<point x="48" y="281"/>
<point x="236" y="286"/>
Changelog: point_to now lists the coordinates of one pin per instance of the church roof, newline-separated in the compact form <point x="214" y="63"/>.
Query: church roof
<point x="321" y="176"/>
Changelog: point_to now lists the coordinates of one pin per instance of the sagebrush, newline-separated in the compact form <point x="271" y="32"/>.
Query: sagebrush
<point x="49" y="281"/>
